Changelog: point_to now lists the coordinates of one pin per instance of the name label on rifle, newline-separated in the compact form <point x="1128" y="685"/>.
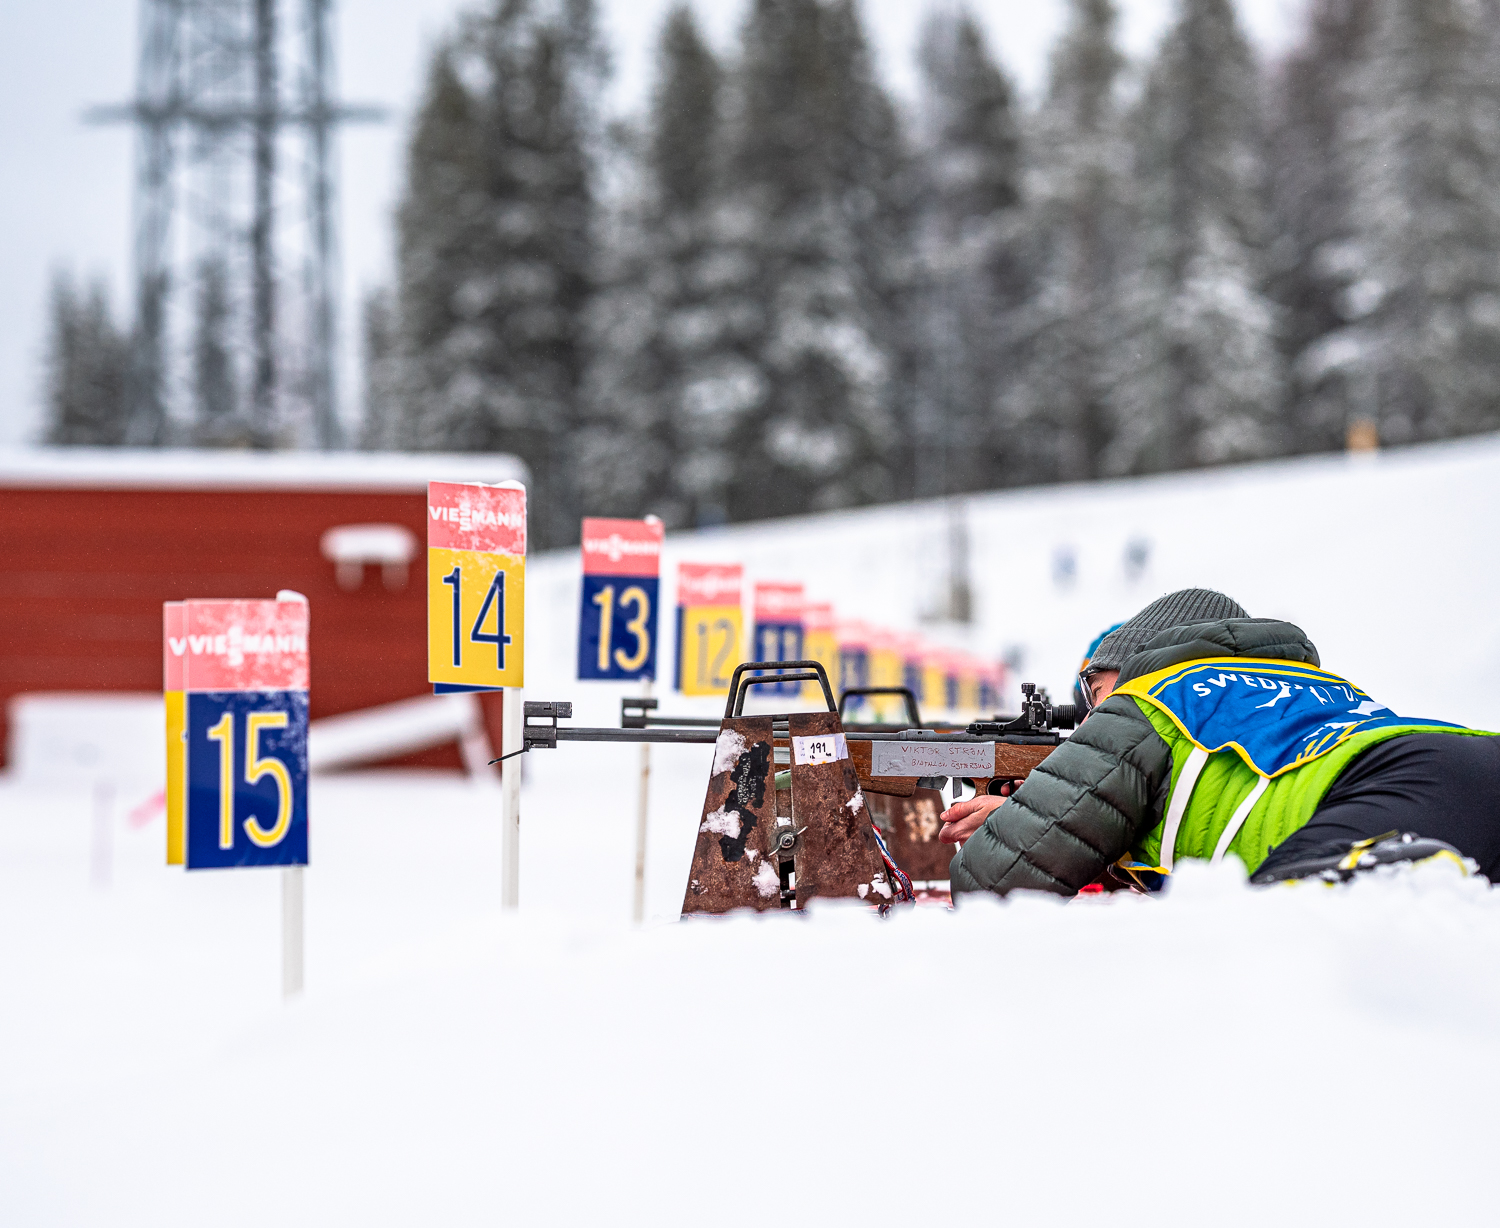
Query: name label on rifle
<point x="823" y="748"/>
<point x="932" y="758"/>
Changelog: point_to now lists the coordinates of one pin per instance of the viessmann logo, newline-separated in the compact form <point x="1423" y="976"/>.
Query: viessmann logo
<point x="467" y="518"/>
<point x="710" y="589"/>
<point x="236" y="644"/>
<point x="614" y="547"/>
<point x="775" y="601"/>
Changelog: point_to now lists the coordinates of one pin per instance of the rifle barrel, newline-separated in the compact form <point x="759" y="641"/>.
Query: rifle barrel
<point x="694" y="735"/>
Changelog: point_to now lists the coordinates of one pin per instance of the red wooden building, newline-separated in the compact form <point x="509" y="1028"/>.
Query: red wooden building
<point x="92" y="541"/>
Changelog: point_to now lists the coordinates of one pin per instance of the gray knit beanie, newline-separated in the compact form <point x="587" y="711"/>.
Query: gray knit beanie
<point x="1186" y="605"/>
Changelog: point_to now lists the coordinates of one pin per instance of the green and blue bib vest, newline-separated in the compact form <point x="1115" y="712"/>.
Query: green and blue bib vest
<point x="1255" y="743"/>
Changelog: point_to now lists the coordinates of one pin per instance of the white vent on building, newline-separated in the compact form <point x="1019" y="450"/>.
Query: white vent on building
<point x="350" y="546"/>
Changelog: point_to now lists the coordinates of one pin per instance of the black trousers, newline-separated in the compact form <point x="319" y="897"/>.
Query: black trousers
<point x="1441" y="785"/>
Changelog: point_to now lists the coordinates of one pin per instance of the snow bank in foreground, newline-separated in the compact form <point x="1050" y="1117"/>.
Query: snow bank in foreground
<point x="1224" y="1055"/>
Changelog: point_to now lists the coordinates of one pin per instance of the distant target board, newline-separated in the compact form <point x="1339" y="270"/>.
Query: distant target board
<point x="777" y="634"/>
<point x="854" y="654"/>
<point x="618" y="620"/>
<point x="236" y="684"/>
<point x="710" y="626"/>
<point x="933" y="693"/>
<point x="819" y="643"/>
<point x="476" y="585"/>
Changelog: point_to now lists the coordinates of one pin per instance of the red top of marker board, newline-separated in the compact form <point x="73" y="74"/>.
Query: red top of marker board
<point x="778" y="602"/>
<point x="239" y="645"/>
<point x="959" y="664"/>
<point x="910" y="645"/>
<point x="621" y="547"/>
<point x="709" y="583"/>
<point x="936" y="656"/>
<point x="853" y="633"/>
<point x="473" y="516"/>
<point x="818" y="616"/>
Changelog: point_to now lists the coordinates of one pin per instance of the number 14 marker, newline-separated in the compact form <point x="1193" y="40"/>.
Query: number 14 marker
<point x="476" y="585"/>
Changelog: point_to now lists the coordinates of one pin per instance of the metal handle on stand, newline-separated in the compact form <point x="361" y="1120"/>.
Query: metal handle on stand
<point x="912" y="711"/>
<point x="790" y="671"/>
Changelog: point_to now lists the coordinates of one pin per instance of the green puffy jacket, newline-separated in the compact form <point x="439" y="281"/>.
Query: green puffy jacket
<point x="1107" y="790"/>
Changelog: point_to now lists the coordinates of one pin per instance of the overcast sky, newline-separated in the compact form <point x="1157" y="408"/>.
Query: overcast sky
<point x="65" y="187"/>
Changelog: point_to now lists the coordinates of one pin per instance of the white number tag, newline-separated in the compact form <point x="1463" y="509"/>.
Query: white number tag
<point x="821" y="748"/>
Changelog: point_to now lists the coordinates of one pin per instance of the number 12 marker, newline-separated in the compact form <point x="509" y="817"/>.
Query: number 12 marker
<point x="709" y="626"/>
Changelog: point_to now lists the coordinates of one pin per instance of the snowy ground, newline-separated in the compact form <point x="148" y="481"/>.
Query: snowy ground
<point x="1220" y="1056"/>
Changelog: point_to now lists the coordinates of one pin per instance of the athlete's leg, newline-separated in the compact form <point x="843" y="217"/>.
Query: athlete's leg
<point x="1442" y="785"/>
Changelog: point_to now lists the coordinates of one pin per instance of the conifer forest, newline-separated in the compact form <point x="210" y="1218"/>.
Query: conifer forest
<point x="781" y="290"/>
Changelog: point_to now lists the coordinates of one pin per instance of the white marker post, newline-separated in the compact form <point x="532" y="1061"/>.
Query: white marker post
<point x="639" y="911"/>
<point x="618" y="620"/>
<point x="102" y="842"/>
<point x="238" y="702"/>
<point x="511" y="735"/>
<point x="476" y="580"/>
<point x="291" y="930"/>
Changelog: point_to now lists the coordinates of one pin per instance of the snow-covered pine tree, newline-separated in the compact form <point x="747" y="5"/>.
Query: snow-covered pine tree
<point x="88" y="358"/>
<point x="661" y="337"/>
<point x="1313" y="260"/>
<point x="1202" y="376"/>
<point x="877" y="165"/>
<point x="383" y="426"/>
<point x="497" y="245"/>
<point x="1076" y="228"/>
<point x="1422" y="154"/>
<point x="813" y="236"/>
<point x="442" y="340"/>
<point x="971" y="272"/>
<point x="215" y="396"/>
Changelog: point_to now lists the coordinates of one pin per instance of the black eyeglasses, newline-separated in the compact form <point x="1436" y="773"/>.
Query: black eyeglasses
<point x="1085" y="693"/>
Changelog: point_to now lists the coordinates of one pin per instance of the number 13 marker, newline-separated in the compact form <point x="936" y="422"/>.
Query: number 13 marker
<point x="476" y="578"/>
<point x="617" y="621"/>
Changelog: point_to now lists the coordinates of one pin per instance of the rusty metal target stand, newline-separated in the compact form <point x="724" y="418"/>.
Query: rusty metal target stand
<point x="784" y="820"/>
<point x="787" y="817"/>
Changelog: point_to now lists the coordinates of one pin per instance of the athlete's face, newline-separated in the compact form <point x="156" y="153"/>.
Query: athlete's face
<point x="1101" y="684"/>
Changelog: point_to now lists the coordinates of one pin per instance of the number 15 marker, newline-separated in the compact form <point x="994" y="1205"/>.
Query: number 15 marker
<point x="237" y="777"/>
<point x="476" y="578"/>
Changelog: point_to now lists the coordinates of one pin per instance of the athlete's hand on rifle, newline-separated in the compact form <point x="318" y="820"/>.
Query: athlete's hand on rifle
<point x="962" y="819"/>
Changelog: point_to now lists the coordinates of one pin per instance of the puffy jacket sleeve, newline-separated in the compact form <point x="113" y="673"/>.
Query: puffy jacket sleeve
<point x="1078" y="811"/>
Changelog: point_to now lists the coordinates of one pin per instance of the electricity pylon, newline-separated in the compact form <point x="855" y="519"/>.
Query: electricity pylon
<point x="216" y="120"/>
